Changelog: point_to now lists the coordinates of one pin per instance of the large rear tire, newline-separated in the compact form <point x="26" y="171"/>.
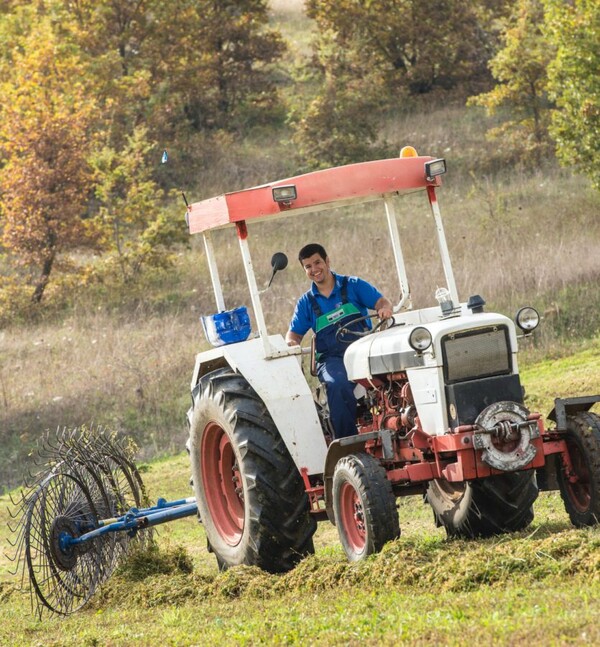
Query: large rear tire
<point x="364" y="506"/>
<point x="580" y="490"/>
<point x="249" y="492"/>
<point x="491" y="506"/>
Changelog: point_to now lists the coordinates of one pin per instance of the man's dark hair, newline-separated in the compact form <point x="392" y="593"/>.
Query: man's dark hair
<point x="310" y="250"/>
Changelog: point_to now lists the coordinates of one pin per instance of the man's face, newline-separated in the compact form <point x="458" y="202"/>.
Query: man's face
<point x="316" y="268"/>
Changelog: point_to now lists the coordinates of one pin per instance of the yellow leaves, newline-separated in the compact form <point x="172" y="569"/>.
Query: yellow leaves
<point x="45" y="136"/>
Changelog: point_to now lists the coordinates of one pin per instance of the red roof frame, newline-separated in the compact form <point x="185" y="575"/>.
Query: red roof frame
<point x="317" y="190"/>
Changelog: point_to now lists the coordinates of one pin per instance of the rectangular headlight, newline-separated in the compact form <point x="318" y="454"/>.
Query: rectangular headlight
<point x="435" y="168"/>
<point x="285" y="193"/>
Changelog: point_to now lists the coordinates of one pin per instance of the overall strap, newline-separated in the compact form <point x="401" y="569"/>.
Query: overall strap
<point x="317" y="308"/>
<point x="344" y="289"/>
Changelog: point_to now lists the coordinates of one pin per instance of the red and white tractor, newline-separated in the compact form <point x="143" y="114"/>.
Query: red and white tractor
<point x="441" y="410"/>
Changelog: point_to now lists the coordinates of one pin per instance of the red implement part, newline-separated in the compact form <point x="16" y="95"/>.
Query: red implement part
<point x="453" y="457"/>
<point x="315" y="494"/>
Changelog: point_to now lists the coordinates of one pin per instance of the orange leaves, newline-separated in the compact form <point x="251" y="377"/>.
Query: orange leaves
<point x="45" y="136"/>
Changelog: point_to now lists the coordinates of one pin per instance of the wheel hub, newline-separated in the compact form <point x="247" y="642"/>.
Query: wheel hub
<point x="63" y="553"/>
<point x="353" y="517"/>
<point x="223" y="484"/>
<point x="578" y="482"/>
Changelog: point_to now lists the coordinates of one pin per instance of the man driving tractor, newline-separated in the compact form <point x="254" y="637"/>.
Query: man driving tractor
<point x="332" y="303"/>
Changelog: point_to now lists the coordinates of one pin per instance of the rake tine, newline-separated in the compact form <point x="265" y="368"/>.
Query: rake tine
<point x="10" y="496"/>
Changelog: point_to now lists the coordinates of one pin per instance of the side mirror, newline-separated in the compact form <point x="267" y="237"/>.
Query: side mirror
<point x="279" y="261"/>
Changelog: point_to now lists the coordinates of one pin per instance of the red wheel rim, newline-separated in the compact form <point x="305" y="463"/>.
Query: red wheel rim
<point x="352" y="518"/>
<point x="580" y="488"/>
<point x="222" y="482"/>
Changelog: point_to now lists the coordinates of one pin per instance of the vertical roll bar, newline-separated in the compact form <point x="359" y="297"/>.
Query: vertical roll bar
<point x="443" y="245"/>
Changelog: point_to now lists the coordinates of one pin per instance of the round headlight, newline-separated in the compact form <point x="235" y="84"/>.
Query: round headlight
<point x="420" y="339"/>
<point x="527" y="319"/>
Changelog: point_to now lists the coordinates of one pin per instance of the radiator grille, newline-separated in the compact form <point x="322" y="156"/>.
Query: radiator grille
<point x="476" y="353"/>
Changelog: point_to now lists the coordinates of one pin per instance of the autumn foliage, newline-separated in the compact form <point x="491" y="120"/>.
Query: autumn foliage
<point x="89" y="92"/>
<point x="46" y="138"/>
<point x="92" y="91"/>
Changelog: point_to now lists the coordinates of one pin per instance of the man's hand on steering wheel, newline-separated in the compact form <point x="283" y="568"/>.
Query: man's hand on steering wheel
<point x="381" y="325"/>
<point x="383" y="307"/>
<point x="385" y="312"/>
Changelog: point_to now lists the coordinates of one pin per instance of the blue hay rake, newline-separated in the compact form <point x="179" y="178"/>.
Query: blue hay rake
<point x="80" y="516"/>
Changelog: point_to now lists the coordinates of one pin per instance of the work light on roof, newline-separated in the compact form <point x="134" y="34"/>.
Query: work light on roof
<point x="284" y="194"/>
<point x="435" y="168"/>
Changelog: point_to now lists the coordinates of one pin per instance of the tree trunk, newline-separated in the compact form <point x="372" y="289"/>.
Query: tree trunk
<point x="44" y="279"/>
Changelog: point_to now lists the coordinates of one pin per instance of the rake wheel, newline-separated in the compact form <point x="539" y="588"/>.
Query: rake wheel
<point x="86" y="476"/>
<point x="64" y="577"/>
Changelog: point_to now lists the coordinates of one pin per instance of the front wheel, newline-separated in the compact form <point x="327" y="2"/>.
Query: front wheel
<point x="579" y="483"/>
<point x="364" y="506"/>
<point x="491" y="506"/>
<point x="250" y="495"/>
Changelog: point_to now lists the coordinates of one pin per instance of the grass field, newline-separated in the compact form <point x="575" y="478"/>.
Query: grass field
<point x="540" y="586"/>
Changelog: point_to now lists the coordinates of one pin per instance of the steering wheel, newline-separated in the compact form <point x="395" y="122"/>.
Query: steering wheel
<point x="382" y="325"/>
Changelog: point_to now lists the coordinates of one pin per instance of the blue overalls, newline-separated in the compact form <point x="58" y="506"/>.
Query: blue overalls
<point x="330" y="360"/>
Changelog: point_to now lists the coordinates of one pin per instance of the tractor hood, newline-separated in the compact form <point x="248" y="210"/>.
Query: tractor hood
<point x="388" y="351"/>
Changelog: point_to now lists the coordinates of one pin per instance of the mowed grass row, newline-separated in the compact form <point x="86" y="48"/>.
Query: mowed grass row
<point x="540" y="586"/>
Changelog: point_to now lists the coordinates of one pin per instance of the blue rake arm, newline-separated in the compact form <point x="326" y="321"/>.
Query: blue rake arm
<point x="134" y="520"/>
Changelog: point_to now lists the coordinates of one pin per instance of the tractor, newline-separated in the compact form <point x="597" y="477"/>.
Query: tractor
<point x="441" y="410"/>
<point x="440" y="414"/>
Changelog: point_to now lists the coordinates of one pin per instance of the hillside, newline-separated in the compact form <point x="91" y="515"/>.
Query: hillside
<point x="124" y="359"/>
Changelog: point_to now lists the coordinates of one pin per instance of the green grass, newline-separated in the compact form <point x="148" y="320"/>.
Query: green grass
<point x="540" y="586"/>
<point x="570" y="376"/>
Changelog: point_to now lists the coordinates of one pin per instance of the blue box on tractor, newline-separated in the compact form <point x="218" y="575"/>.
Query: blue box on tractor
<point x="227" y="327"/>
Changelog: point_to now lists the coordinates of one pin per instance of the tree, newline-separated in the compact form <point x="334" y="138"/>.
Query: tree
<point x="520" y="69"/>
<point x="340" y="125"/>
<point x="574" y="83"/>
<point x="184" y="64"/>
<point x="369" y="56"/>
<point x="214" y="63"/>
<point x="418" y="47"/>
<point x="45" y="136"/>
<point x="136" y="231"/>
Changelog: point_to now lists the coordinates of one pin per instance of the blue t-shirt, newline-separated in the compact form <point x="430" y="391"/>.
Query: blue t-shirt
<point x="360" y="293"/>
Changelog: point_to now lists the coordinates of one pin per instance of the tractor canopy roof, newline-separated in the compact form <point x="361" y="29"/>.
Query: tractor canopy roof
<point x="316" y="191"/>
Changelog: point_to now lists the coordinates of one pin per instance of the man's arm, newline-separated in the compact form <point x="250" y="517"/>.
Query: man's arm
<point x="384" y="308"/>
<point x="367" y="293"/>
<point x="293" y="338"/>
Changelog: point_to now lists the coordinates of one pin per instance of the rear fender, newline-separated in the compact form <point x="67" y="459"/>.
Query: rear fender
<point x="281" y="385"/>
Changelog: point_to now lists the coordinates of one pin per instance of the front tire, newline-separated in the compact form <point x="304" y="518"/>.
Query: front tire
<point x="580" y="490"/>
<point x="491" y="506"/>
<point x="364" y="506"/>
<point x="249" y="492"/>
